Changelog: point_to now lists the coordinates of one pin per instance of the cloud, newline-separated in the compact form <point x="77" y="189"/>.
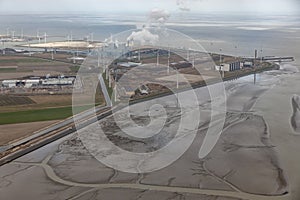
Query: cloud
<point x="130" y="6"/>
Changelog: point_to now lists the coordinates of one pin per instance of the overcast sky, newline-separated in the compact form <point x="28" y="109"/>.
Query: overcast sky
<point x="248" y="6"/>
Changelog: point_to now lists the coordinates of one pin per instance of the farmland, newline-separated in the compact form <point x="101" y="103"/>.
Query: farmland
<point x="6" y="100"/>
<point x="39" y="115"/>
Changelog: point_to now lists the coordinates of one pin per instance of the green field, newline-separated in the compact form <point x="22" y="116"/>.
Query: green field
<point x="22" y="60"/>
<point x="75" y="69"/>
<point x="7" y="70"/>
<point x="39" y="115"/>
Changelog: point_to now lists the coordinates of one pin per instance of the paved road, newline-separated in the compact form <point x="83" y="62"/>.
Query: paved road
<point x="104" y="91"/>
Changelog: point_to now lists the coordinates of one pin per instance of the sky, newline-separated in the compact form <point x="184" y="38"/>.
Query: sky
<point x="244" y="6"/>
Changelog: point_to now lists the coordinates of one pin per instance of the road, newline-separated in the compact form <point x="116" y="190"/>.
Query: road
<point x="104" y="91"/>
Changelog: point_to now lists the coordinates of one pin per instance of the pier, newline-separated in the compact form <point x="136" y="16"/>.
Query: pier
<point x="279" y="59"/>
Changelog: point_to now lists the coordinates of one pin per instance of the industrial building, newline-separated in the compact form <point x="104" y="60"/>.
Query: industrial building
<point x="20" y="83"/>
<point x="229" y="66"/>
<point x="57" y="81"/>
<point x="129" y="64"/>
<point x="248" y="64"/>
<point x="40" y="82"/>
<point x="181" y="64"/>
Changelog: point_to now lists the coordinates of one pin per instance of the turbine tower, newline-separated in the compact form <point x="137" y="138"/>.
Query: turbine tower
<point x="193" y="61"/>
<point x="38" y="36"/>
<point x="188" y="55"/>
<point x="169" y="55"/>
<point x="29" y="48"/>
<point x="13" y="34"/>
<point x="157" y="58"/>
<point x="7" y="31"/>
<point x="92" y="37"/>
<point x="45" y="37"/>
<point x="22" y="33"/>
<point x="52" y="54"/>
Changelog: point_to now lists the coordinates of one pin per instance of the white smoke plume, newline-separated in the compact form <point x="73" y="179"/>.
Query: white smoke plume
<point x="159" y="16"/>
<point x="184" y="5"/>
<point x="142" y="37"/>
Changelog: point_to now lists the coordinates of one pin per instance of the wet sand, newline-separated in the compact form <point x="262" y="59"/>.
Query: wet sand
<point x="276" y="108"/>
<point x="243" y="165"/>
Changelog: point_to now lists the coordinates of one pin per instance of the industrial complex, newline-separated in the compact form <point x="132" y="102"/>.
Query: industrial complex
<point x="39" y="82"/>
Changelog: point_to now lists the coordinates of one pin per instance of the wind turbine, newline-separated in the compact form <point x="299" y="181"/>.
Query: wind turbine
<point x="107" y="72"/>
<point x="115" y="92"/>
<point x="236" y="52"/>
<point x="139" y="55"/>
<point x="177" y="87"/>
<point x="38" y="36"/>
<point x="52" y="54"/>
<point x="7" y="31"/>
<point x="177" y="79"/>
<point x="157" y="58"/>
<point x="261" y="55"/>
<point x="104" y="65"/>
<point x="222" y="68"/>
<point x="13" y="34"/>
<point x="193" y="61"/>
<point x="92" y="37"/>
<point x="220" y="56"/>
<point x="169" y="56"/>
<point x="74" y="61"/>
<point x="22" y="33"/>
<point x="109" y="81"/>
<point x="188" y="55"/>
<point x="116" y="44"/>
<point x="3" y="43"/>
<point x="45" y="37"/>
<point x="98" y="57"/>
<point x="111" y="39"/>
<point x="29" y="48"/>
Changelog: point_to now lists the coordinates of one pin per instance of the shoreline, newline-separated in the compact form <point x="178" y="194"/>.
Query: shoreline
<point x="278" y="117"/>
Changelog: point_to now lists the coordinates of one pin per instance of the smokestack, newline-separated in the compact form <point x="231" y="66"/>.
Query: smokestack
<point x="255" y="54"/>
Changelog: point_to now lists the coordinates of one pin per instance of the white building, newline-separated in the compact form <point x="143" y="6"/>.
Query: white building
<point x="9" y="83"/>
<point x="28" y="83"/>
<point x="228" y="67"/>
<point x="31" y="83"/>
<point x="58" y="81"/>
<point x="248" y="64"/>
<point x="129" y="64"/>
